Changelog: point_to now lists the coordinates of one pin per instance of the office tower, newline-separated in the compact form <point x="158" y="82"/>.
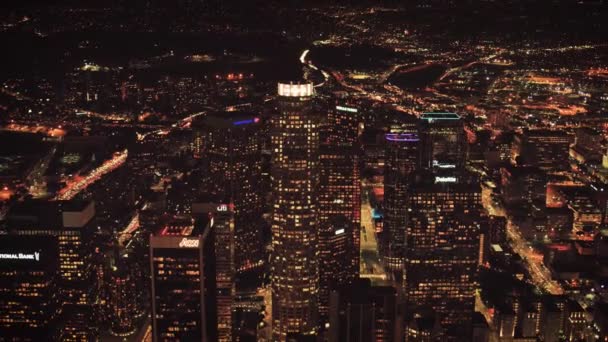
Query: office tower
<point x="401" y="159"/>
<point x="360" y="312"/>
<point x="336" y="252"/>
<point x="295" y="164"/>
<point x="339" y="200"/>
<point x="443" y="249"/>
<point x="183" y="280"/>
<point x="523" y="186"/>
<point x="343" y="125"/>
<point x="546" y="149"/>
<point x="69" y="224"/>
<point x="443" y="141"/>
<point x="231" y="145"/>
<point x="340" y="192"/>
<point x="497" y="232"/>
<point x="28" y="286"/>
<point x="77" y="323"/>
<point x="423" y="325"/>
<point x="220" y="218"/>
<point x="587" y="147"/>
<point x="122" y="299"/>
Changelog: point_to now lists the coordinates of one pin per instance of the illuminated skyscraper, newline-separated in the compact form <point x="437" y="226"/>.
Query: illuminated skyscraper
<point x="122" y="299"/>
<point x="28" y="286"/>
<point x="443" y="141"/>
<point x="183" y="283"/>
<point x="401" y="159"/>
<point x="336" y="252"/>
<point x="69" y="224"/>
<point x="340" y="189"/>
<point x="231" y="145"/>
<point x="220" y="218"/>
<point x="444" y="218"/>
<point x="295" y="172"/>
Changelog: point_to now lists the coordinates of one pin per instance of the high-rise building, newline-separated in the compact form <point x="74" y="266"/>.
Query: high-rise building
<point x="343" y="125"/>
<point x="231" y="145"/>
<point x="546" y="149"/>
<point x="122" y="299"/>
<point x="183" y="283"/>
<point x="29" y="303"/>
<point x="444" y="218"/>
<point x="336" y="252"/>
<point x="340" y="190"/>
<point x="443" y="141"/>
<point x="295" y="173"/>
<point x="339" y="201"/>
<point x="69" y="224"/>
<point x="401" y="159"/>
<point x="360" y="312"/>
<point x="220" y="218"/>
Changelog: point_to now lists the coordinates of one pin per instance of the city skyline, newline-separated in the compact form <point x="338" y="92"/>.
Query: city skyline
<point x="427" y="170"/>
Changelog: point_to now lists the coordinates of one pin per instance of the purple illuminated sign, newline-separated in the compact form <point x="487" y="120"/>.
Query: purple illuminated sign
<point x="405" y="137"/>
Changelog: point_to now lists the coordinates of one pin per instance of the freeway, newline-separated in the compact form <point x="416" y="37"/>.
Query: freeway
<point x="182" y="123"/>
<point x="79" y="183"/>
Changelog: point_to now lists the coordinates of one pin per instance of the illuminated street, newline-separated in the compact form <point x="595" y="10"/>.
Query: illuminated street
<point x="371" y="265"/>
<point x="79" y="183"/>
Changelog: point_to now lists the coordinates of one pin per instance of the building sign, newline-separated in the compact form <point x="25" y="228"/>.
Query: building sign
<point x="295" y="90"/>
<point x="347" y="109"/>
<point x="222" y="207"/>
<point x="339" y="231"/>
<point x="20" y="256"/>
<point x="188" y="243"/>
<point x="445" y="179"/>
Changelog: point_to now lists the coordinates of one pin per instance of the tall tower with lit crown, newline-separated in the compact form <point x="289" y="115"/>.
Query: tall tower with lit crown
<point x="295" y="164"/>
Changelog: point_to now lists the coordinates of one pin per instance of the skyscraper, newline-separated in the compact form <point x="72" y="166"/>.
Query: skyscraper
<point x="443" y="141"/>
<point x="69" y="224"/>
<point x="444" y="218"/>
<point x="28" y="286"/>
<point x="339" y="201"/>
<point x="360" y="312"/>
<point x="183" y="283"/>
<point x="336" y="253"/>
<point x="231" y="145"/>
<point x="122" y="299"/>
<point x="401" y="159"/>
<point x="295" y="164"/>
<point x="220" y="218"/>
<point x="546" y="149"/>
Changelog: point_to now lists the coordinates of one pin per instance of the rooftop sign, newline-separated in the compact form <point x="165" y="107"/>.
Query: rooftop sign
<point x="295" y="90"/>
